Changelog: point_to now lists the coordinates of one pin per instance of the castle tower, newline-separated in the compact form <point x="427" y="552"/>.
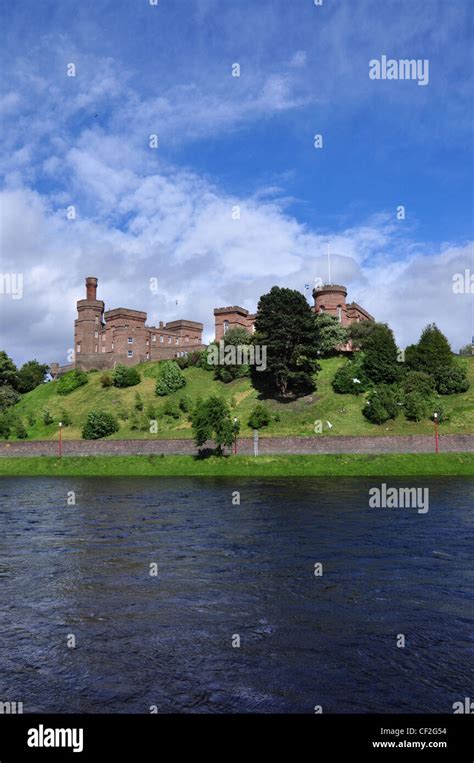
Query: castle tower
<point x="331" y="299"/>
<point x="88" y="325"/>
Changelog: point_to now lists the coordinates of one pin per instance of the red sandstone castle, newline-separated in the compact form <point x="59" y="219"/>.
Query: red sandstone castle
<point x="329" y="299"/>
<point x="103" y="339"/>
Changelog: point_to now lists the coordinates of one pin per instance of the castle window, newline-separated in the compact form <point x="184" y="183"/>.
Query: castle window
<point x="226" y="327"/>
<point x="170" y="339"/>
<point x="79" y="347"/>
<point x="153" y="337"/>
<point x="177" y="340"/>
<point x="96" y="348"/>
<point x="339" y="313"/>
<point x="130" y="354"/>
<point x="186" y="339"/>
<point x="147" y="342"/>
<point x="96" y="319"/>
<point x="103" y="349"/>
<point x="161" y="338"/>
<point x="96" y="334"/>
<point x="322" y="309"/>
<point x="130" y="340"/>
<point x="148" y="356"/>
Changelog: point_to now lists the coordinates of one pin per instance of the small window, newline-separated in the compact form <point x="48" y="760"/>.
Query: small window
<point x="161" y="338"/>
<point x="97" y="319"/>
<point x="170" y="339"/>
<point x="226" y="327"/>
<point x="186" y="339"/>
<point x="112" y="345"/>
<point x="147" y="342"/>
<point x="339" y="313"/>
<point x="153" y="337"/>
<point x="126" y="325"/>
<point x="148" y="356"/>
<point x="130" y="340"/>
<point x="96" y="334"/>
<point x="322" y="309"/>
<point x="177" y="340"/>
<point x="130" y="354"/>
<point x="79" y="347"/>
<point x="96" y="348"/>
<point x="103" y="349"/>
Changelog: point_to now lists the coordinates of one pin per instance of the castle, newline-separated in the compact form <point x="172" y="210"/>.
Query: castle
<point x="104" y="339"/>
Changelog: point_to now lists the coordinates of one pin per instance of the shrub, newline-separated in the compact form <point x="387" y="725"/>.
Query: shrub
<point x="171" y="409"/>
<point x="5" y="426"/>
<point x="125" y="376"/>
<point x="350" y="379"/>
<point x="19" y="429"/>
<point x="138" y="404"/>
<point x="66" y="419"/>
<point x="170" y="378"/>
<point x="183" y="361"/>
<point x="380" y="360"/>
<point x="31" y="419"/>
<point x="452" y="380"/>
<point x="8" y="396"/>
<point x="99" y="424"/>
<point x="122" y="414"/>
<point x="184" y="403"/>
<point x="259" y="417"/>
<point x="47" y="418"/>
<point x="151" y="411"/>
<point x="134" y="422"/>
<point x="71" y="381"/>
<point x="382" y="405"/>
<point x="416" y="407"/>
<point x="438" y="407"/>
<point x="211" y="420"/>
<point x="418" y="381"/>
<point x="106" y="380"/>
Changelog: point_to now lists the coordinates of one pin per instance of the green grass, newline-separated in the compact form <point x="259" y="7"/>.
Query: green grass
<point x="291" y="418"/>
<point x="392" y="465"/>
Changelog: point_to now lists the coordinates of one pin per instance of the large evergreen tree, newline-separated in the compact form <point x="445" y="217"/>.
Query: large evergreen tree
<point x="380" y="355"/>
<point x="330" y="334"/>
<point x="8" y="370"/>
<point x="31" y="375"/>
<point x="285" y="325"/>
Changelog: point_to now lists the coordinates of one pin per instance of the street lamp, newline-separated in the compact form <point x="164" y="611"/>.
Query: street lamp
<point x="60" y="439"/>
<point x="435" y="419"/>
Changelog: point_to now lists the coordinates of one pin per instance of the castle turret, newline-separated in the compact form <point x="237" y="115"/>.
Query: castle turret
<point x="88" y="325"/>
<point x="331" y="299"/>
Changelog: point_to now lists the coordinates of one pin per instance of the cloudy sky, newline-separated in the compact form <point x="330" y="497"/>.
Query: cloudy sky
<point x="224" y="142"/>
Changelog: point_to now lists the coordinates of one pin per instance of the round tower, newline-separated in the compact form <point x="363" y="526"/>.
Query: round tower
<point x="331" y="299"/>
<point x="88" y="324"/>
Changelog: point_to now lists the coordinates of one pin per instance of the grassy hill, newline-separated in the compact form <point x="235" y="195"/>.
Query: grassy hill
<point x="291" y="418"/>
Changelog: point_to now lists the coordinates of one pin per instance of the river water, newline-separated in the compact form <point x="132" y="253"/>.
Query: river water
<point x="81" y="574"/>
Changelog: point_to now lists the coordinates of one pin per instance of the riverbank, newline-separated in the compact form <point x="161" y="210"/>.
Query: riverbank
<point x="335" y="465"/>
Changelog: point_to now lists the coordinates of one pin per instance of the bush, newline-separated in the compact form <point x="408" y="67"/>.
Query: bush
<point x="106" y="380"/>
<point x="438" y="407"/>
<point x="138" y="404"/>
<point x="343" y="382"/>
<point x="66" y="419"/>
<point x="5" y="426"/>
<point x="47" y="418"/>
<point x="99" y="424"/>
<point x="125" y="376"/>
<point x="184" y="403"/>
<point x="31" y="419"/>
<point x="418" y="381"/>
<point x="183" y="361"/>
<point x="8" y="396"/>
<point x="452" y="380"/>
<point x="71" y="381"/>
<point x="19" y="429"/>
<point x="151" y="411"/>
<point x="382" y="405"/>
<point x="259" y="417"/>
<point x="122" y="414"/>
<point x="171" y="409"/>
<point x="170" y="378"/>
<point x="416" y="407"/>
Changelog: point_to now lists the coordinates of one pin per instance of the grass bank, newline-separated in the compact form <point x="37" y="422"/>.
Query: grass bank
<point x="387" y="465"/>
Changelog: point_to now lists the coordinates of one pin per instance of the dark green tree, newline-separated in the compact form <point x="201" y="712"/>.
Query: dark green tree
<point x="433" y="355"/>
<point x="259" y="416"/>
<point x="382" y="405"/>
<point x="227" y="371"/>
<point x="8" y="396"/>
<point x="380" y="355"/>
<point x="285" y="326"/>
<point x="31" y="375"/>
<point x="211" y="420"/>
<point x="125" y="376"/>
<point x="99" y="424"/>
<point x="8" y="371"/>
<point x="170" y="378"/>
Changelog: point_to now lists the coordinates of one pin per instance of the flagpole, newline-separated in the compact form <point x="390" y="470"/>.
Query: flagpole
<point x="329" y="266"/>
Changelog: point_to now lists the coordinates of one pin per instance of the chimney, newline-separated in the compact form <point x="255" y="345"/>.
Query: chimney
<point x="91" y="289"/>
<point x="161" y="325"/>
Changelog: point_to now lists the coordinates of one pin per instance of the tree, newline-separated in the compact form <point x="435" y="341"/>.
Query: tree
<point x="466" y="350"/>
<point x="380" y="355"/>
<point x="285" y="326"/>
<point x="330" y="334"/>
<point x="125" y="376"/>
<point x="452" y="380"/>
<point x="259" y="416"/>
<point x="170" y="378"/>
<point x="358" y="332"/>
<point x="211" y="420"/>
<point x="99" y="424"/>
<point x="433" y="355"/>
<point x="382" y="405"/>
<point x="416" y="407"/>
<point x="418" y="381"/>
<point x="233" y="339"/>
<point x="350" y="378"/>
<point x="8" y="371"/>
<point x="8" y="396"/>
<point x="31" y="375"/>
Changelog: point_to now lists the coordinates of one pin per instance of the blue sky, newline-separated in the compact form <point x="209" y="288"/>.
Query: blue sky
<point x="226" y="141"/>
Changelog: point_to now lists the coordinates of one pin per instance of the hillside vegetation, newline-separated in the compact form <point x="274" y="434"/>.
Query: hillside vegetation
<point x="298" y="417"/>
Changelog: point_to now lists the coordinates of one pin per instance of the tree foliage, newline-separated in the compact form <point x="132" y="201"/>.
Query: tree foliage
<point x="211" y="420"/>
<point x="170" y="378"/>
<point x="330" y="334"/>
<point x="99" y="424"/>
<point x="71" y="381"/>
<point x="125" y="376"/>
<point x="31" y="375"/>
